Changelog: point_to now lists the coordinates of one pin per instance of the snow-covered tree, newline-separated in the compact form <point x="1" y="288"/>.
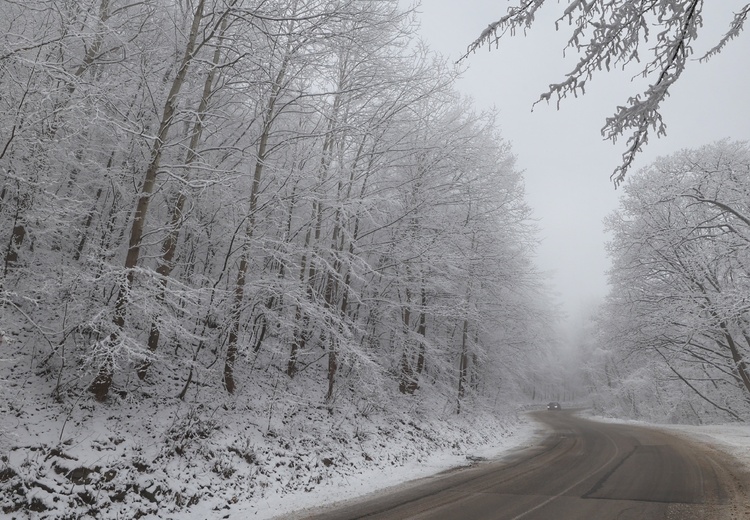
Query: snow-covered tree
<point x="657" y="36"/>
<point x="680" y="254"/>
<point x="267" y="191"/>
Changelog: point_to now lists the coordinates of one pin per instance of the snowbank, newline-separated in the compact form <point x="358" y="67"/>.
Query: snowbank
<point x="374" y="479"/>
<point x="148" y="457"/>
<point x="733" y="439"/>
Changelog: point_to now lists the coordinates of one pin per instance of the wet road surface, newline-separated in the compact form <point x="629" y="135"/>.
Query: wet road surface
<point x="579" y="469"/>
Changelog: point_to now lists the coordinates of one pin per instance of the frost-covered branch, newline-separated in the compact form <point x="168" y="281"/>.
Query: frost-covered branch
<point x="611" y="33"/>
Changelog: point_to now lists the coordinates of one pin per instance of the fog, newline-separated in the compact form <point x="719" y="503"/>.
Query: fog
<point x="567" y="163"/>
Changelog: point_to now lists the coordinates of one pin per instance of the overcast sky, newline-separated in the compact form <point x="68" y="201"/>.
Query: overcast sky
<point x="566" y="162"/>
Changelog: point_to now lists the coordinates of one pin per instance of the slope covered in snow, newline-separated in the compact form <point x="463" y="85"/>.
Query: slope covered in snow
<point x="143" y="456"/>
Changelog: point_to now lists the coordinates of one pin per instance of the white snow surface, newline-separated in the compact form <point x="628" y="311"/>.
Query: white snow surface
<point x="373" y="480"/>
<point x="730" y="438"/>
<point x="253" y="456"/>
<point x="167" y="459"/>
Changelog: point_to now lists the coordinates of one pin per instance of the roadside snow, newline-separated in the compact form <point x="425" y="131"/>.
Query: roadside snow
<point x="372" y="480"/>
<point x="733" y="439"/>
<point x="247" y="457"/>
<point x="171" y="460"/>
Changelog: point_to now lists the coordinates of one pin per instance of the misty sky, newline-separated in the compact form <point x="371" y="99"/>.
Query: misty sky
<point x="567" y="164"/>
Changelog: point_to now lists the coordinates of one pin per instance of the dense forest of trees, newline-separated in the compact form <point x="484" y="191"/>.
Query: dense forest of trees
<point x="220" y="193"/>
<point x="674" y="336"/>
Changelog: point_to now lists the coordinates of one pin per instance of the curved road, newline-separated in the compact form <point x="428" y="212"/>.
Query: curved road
<point x="580" y="470"/>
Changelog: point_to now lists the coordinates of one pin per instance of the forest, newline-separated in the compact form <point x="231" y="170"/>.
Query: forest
<point x="204" y="191"/>
<point x="253" y="247"/>
<point x="220" y="216"/>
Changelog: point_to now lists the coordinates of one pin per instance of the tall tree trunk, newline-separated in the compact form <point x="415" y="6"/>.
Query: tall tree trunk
<point x="422" y="330"/>
<point x="169" y="245"/>
<point x="19" y="231"/>
<point x="308" y="261"/>
<point x="90" y="216"/>
<point x="463" y="365"/>
<point x="464" y="358"/>
<point x="299" y="339"/>
<point x="406" y="384"/>
<point x="101" y="384"/>
<point x="740" y="363"/>
<point x="239" y="290"/>
<point x="329" y="298"/>
<point x="332" y="368"/>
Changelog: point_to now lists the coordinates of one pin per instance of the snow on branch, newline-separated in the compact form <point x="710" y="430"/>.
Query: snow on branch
<point x="611" y="34"/>
<point x="735" y="28"/>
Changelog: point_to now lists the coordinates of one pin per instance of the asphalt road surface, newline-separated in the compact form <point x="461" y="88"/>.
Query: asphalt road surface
<point x="579" y="470"/>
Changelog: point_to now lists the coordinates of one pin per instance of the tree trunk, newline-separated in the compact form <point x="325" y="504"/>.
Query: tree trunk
<point x="422" y="330"/>
<point x="329" y="298"/>
<point x="19" y="231"/>
<point x="239" y="290"/>
<point x="740" y="364"/>
<point x="463" y="365"/>
<point x="308" y="262"/>
<point x="103" y="381"/>
<point x="169" y="245"/>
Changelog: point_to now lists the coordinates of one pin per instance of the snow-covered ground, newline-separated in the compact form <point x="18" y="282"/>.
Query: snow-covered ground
<point x="730" y="438"/>
<point x="147" y="457"/>
<point x="171" y="460"/>
<point x="373" y="480"/>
